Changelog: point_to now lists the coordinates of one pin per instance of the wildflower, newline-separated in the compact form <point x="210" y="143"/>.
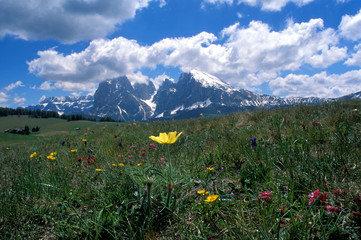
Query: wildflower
<point x="253" y="142"/>
<point x="114" y="164"/>
<point x="166" y="138"/>
<point x="211" y="198"/>
<point x="318" y="195"/>
<point x="119" y="144"/>
<point x="121" y="164"/>
<point x="7" y="148"/>
<point x="338" y="192"/>
<point x="90" y="150"/>
<point x="132" y="146"/>
<point x="74" y="150"/>
<point x="283" y="208"/>
<point x="266" y="196"/>
<point x="33" y="154"/>
<point x="62" y="142"/>
<point x="203" y="192"/>
<point x="161" y="160"/>
<point x="139" y="164"/>
<point x="315" y="123"/>
<point x="356" y="213"/>
<point x="303" y="126"/>
<point x="130" y="156"/>
<point x="98" y="170"/>
<point x="143" y="153"/>
<point x="50" y="157"/>
<point x="152" y="146"/>
<point x="84" y="141"/>
<point x="355" y="110"/>
<point x="210" y="169"/>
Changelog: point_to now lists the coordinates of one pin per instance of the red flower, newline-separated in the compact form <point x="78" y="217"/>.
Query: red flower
<point x="356" y="213"/>
<point x="318" y="195"/>
<point x="283" y="208"/>
<point x="266" y="196"/>
<point x="303" y="125"/>
<point x="315" y="123"/>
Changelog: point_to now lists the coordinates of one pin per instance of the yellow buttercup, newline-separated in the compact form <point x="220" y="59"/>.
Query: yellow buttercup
<point x="165" y="138"/>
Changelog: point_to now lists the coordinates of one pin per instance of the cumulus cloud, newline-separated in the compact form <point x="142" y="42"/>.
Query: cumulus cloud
<point x="248" y="55"/>
<point x="267" y="5"/>
<point x="3" y="97"/>
<point x="19" y="101"/>
<point x="157" y="81"/>
<point x="350" y="26"/>
<point x="321" y="84"/>
<point x="67" y="21"/>
<point x="14" y="85"/>
<point x="355" y="59"/>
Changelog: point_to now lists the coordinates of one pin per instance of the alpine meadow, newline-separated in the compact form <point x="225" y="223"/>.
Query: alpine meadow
<point x="286" y="173"/>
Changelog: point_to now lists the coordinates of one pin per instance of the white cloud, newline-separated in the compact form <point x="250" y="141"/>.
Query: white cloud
<point x="14" y="85"/>
<point x="267" y="5"/>
<point x="46" y="86"/>
<point x="355" y="59"/>
<point x="19" y="101"/>
<point x="66" y="20"/>
<point x="321" y="84"/>
<point x="137" y="77"/>
<point x="350" y="26"/>
<point x="248" y="56"/>
<point x="157" y="81"/>
<point x="3" y="97"/>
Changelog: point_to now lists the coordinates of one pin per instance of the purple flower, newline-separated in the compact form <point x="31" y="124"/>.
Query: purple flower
<point x="119" y="144"/>
<point x="63" y="142"/>
<point x="253" y="142"/>
<point x="90" y="150"/>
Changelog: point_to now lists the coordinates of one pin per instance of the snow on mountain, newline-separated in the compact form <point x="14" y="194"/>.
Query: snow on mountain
<point x="208" y="80"/>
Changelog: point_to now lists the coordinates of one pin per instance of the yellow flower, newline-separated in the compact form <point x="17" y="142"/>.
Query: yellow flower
<point x="74" y="150"/>
<point x="139" y="164"/>
<point x="33" y="155"/>
<point x="210" y="168"/>
<point x="203" y="192"/>
<point x="166" y="138"/>
<point x="7" y="148"/>
<point x="121" y="164"/>
<point x="98" y="170"/>
<point x="84" y="140"/>
<point x="114" y="164"/>
<point x="53" y="153"/>
<point x="211" y="198"/>
<point x="50" y="157"/>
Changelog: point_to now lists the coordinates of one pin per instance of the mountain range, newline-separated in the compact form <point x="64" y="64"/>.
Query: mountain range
<point x="193" y="94"/>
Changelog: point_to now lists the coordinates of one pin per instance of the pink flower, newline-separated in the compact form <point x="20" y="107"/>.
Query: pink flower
<point x="318" y="195"/>
<point x="130" y="156"/>
<point x="132" y="146"/>
<point x="338" y="192"/>
<point x="356" y="213"/>
<point x="266" y="196"/>
<point x="161" y="160"/>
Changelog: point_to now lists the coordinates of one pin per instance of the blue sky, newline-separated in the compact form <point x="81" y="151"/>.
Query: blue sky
<point x="279" y="47"/>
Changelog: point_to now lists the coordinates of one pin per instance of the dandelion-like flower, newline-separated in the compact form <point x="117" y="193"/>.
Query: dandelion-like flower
<point x="121" y="164"/>
<point x="165" y="138"/>
<point x="210" y="168"/>
<point x="74" y="150"/>
<point x="204" y="192"/>
<point x="98" y="170"/>
<point x="33" y="154"/>
<point x="139" y="164"/>
<point x="211" y="198"/>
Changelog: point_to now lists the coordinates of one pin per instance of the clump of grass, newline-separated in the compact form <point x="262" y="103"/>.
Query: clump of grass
<point x="298" y="179"/>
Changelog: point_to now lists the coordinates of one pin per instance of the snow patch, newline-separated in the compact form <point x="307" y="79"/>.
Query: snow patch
<point x="207" y="80"/>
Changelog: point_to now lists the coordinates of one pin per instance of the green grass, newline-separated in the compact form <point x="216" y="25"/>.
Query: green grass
<point x="50" y="126"/>
<point x="67" y="198"/>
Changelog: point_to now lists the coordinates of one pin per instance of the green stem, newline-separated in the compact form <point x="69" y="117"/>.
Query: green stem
<point x="170" y="167"/>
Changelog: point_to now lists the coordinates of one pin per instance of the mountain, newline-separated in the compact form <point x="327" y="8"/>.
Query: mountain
<point x="118" y="99"/>
<point x="195" y="92"/>
<point x="66" y="105"/>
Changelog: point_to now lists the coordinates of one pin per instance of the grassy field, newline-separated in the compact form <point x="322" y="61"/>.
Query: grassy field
<point x="290" y="173"/>
<point x="48" y="127"/>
